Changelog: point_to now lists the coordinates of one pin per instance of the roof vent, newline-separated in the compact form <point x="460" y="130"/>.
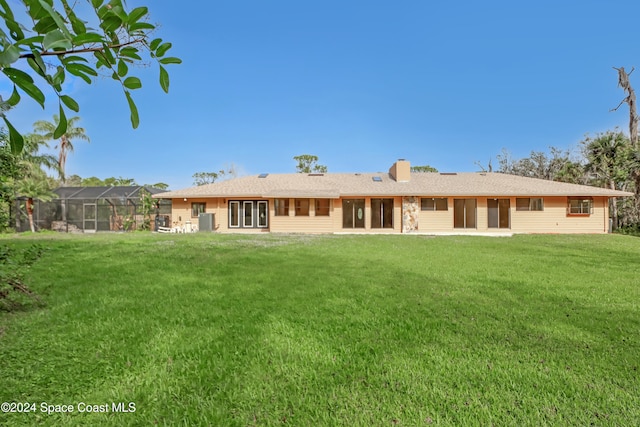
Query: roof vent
<point x="263" y="175"/>
<point x="377" y="179"/>
<point x="448" y="173"/>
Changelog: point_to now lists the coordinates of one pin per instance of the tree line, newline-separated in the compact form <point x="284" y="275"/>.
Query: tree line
<point x="23" y="174"/>
<point x="606" y="160"/>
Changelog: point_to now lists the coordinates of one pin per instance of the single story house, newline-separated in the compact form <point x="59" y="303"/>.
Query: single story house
<point x="399" y="201"/>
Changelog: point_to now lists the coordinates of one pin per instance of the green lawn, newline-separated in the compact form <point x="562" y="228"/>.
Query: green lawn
<point x="227" y="330"/>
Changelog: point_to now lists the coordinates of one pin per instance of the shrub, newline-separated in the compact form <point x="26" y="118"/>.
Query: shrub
<point x="13" y="266"/>
<point x="630" y="230"/>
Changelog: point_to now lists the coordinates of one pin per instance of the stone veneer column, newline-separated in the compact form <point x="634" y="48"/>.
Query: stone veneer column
<point x="410" y="210"/>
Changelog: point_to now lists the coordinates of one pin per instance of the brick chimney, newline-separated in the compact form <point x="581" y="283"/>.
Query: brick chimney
<point x="401" y="171"/>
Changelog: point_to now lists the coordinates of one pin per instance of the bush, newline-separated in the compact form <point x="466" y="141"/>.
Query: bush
<point x="13" y="266"/>
<point x="630" y="230"/>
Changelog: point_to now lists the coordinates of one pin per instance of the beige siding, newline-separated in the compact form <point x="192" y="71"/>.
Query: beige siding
<point x="554" y="218"/>
<point x="482" y="215"/>
<point x="442" y="221"/>
<point x="397" y="214"/>
<point x="181" y="211"/>
<point x="436" y="220"/>
<point x="301" y="224"/>
<point x="336" y="215"/>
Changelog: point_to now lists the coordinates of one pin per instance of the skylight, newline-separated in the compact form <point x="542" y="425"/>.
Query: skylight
<point x="377" y="179"/>
<point x="263" y="175"/>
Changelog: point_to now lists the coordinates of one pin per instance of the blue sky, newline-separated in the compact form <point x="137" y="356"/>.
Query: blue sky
<point x="359" y="84"/>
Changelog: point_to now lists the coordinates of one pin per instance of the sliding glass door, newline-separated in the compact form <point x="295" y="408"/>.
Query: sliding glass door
<point x="381" y="213"/>
<point x="498" y="212"/>
<point x="464" y="213"/>
<point x="353" y="213"/>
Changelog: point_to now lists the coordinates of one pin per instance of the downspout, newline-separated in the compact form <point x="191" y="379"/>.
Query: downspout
<point x="605" y="216"/>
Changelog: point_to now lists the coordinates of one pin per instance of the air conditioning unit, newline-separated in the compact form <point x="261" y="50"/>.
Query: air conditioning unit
<point x="206" y="222"/>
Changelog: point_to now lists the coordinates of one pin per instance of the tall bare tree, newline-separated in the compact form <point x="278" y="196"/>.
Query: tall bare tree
<point x="630" y="100"/>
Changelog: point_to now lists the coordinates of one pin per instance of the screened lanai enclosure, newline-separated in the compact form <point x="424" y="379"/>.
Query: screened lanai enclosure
<point x="91" y="209"/>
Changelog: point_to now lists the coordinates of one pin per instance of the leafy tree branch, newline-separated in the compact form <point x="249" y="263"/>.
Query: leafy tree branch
<point x="53" y="30"/>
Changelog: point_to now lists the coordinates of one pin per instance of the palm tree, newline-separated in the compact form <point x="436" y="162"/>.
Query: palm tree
<point x="46" y="131"/>
<point x="609" y="161"/>
<point x="24" y="175"/>
<point x="35" y="186"/>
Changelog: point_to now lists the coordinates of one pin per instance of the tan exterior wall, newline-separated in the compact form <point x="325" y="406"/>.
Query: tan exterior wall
<point x="301" y="224"/>
<point x="181" y="212"/>
<point x="333" y="222"/>
<point x="482" y="215"/>
<point x="336" y="214"/>
<point x="553" y="219"/>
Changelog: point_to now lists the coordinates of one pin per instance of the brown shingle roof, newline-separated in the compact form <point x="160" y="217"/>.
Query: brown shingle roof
<point x="334" y="185"/>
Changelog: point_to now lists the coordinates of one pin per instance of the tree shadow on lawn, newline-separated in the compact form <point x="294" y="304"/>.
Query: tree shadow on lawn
<point x="396" y="341"/>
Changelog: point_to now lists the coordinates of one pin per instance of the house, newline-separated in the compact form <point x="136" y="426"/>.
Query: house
<point x="399" y="201"/>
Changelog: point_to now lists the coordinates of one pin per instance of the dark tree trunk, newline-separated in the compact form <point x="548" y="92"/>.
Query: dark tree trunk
<point x="630" y="100"/>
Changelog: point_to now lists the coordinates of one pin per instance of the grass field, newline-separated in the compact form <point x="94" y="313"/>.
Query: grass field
<point x="269" y="330"/>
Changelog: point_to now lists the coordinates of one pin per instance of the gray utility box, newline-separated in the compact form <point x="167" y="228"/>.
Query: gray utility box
<point x="206" y="222"/>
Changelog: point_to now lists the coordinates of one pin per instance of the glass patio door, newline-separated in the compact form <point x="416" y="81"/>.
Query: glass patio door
<point x="381" y="213"/>
<point x="353" y="213"/>
<point x="464" y="213"/>
<point x="89" y="217"/>
<point x="498" y="210"/>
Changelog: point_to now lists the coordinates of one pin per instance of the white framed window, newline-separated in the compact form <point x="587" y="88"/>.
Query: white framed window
<point x="247" y="214"/>
<point x="263" y="214"/>
<point x="579" y="206"/>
